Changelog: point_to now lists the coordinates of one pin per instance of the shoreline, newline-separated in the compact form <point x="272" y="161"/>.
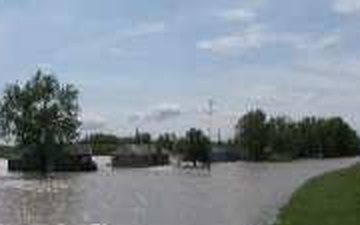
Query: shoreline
<point x="331" y="198"/>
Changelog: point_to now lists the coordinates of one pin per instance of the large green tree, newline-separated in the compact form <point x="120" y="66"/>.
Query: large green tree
<point x="41" y="114"/>
<point x="282" y="138"/>
<point x="166" y="141"/>
<point x="251" y="134"/>
<point x="327" y="137"/>
<point x="142" y="137"/>
<point x="338" y="138"/>
<point x="195" y="146"/>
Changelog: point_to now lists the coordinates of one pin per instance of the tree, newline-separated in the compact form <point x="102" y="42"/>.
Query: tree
<point x="327" y="137"/>
<point x="282" y="138"/>
<point x="181" y="147"/>
<point x="251" y="134"/>
<point x="195" y="146"/>
<point x="142" y="137"/>
<point x="101" y="143"/>
<point x="166" y="141"/>
<point x="339" y="138"/>
<point x="310" y="135"/>
<point x="42" y="115"/>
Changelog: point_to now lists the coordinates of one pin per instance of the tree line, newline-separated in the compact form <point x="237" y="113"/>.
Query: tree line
<point x="106" y="144"/>
<point x="260" y="137"/>
<point x="41" y="116"/>
<point x="194" y="146"/>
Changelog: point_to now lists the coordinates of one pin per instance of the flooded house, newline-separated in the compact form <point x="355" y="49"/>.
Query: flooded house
<point x="139" y="155"/>
<point x="224" y="153"/>
<point x="81" y="155"/>
<point x="76" y="157"/>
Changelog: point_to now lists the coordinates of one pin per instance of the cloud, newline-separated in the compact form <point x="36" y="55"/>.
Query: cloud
<point x="145" y="29"/>
<point x="346" y="6"/>
<point x="111" y="42"/>
<point x="238" y="15"/>
<point x="256" y="36"/>
<point x="93" y="123"/>
<point x="347" y="70"/>
<point x="251" y="37"/>
<point x="271" y="95"/>
<point x="157" y="113"/>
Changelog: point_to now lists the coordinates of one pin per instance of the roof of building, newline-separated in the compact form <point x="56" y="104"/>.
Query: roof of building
<point x="136" y="149"/>
<point x="79" y="149"/>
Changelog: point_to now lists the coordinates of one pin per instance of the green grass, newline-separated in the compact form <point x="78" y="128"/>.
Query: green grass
<point x="331" y="199"/>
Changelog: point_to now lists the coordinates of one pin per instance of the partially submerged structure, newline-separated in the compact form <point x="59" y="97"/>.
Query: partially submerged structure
<point x="70" y="158"/>
<point x="217" y="153"/>
<point x="224" y="153"/>
<point x="81" y="156"/>
<point x="139" y="155"/>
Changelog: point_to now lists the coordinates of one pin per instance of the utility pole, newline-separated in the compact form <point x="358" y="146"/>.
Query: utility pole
<point x="219" y="136"/>
<point x="210" y="114"/>
<point x="137" y="138"/>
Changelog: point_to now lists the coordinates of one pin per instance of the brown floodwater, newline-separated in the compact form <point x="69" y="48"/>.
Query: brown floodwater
<point x="231" y="194"/>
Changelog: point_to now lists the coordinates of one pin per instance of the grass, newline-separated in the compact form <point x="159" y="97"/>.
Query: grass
<point x="330" y="199"/>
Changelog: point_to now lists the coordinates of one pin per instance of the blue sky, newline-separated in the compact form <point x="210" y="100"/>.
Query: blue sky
<point x="155" y="64"/>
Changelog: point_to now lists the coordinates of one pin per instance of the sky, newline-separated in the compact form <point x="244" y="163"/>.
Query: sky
<point x="156" y="64"/>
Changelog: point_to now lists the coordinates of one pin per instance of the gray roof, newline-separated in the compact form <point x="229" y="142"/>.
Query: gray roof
<point x="136" y="149"/>
<point x="79" y="149"/>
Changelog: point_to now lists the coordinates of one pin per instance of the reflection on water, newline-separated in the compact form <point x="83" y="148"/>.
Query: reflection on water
<point x="235" y="193"/>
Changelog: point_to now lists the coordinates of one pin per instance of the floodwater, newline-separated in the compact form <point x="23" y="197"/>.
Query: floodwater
<point x="231" y="194"/>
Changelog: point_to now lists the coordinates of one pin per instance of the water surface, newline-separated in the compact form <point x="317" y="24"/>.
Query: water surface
<point x="231" y="194"/>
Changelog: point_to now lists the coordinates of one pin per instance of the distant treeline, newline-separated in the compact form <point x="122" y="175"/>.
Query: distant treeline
<point x="106" y="144"/>
<point x="258" y="137"/>
<point x="194" y="146"/>
<point x="276" y="138"/>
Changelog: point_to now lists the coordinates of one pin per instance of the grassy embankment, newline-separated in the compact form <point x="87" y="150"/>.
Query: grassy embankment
<point x="330" y="199"/>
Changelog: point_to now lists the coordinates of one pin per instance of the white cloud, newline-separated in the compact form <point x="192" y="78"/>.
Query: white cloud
<point x="346" y="6"/>
<point x="238" y="15"/>
<point x="332" y="68"/>
<point x="158" y="113"/>
<point x="145" y="29"/>
<point x="307" y="42"/>
<point x="328" y="41"/>
<point x="256" y="36"/>
<point x="251" y="37"/>
<point x="93" y="123"/>
<point x="112" y="42"/>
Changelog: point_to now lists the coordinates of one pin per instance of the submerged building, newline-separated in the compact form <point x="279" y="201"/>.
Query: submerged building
<point x="224" y="153"/>
<point x="139" y="155"/>
<point x="76" y="157"/>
